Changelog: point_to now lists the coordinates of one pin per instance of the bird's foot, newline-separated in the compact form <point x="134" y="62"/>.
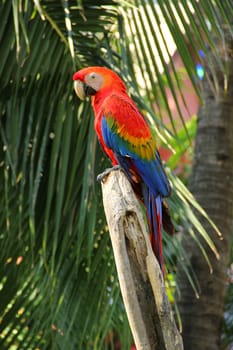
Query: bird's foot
<point x="106" y="172"/>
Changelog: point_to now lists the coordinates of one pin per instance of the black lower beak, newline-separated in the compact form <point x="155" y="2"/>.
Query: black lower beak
<point x="89" y="91"/>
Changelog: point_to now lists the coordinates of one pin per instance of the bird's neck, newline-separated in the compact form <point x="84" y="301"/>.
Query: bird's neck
<point x="98" y="99"/>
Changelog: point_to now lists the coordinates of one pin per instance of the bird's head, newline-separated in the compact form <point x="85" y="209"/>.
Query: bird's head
<point x="89" y="81"/>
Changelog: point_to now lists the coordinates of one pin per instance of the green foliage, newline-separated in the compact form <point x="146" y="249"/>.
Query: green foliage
<point x="58" y="284"/>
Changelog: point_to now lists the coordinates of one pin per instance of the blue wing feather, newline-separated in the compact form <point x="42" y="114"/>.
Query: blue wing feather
<point x="151" y="172"/>
<point x="154" y="182"/>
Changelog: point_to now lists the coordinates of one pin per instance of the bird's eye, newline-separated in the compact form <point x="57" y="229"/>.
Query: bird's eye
<point x="93" y="76"/>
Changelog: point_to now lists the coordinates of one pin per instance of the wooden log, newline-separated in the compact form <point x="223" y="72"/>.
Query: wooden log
<point x="141" y="281"/>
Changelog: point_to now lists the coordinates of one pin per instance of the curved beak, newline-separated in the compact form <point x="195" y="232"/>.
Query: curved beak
<point x="82" y="89"/>
<point x="79" y="89"/>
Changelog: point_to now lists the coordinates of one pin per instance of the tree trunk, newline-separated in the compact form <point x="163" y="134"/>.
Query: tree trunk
<point x="141" y="282"/>
<point x="211" y="183"/>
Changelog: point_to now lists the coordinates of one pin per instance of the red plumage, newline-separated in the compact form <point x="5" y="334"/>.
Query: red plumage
<point x="126" y="138"/>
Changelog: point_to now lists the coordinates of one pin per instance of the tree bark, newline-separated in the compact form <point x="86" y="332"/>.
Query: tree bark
<point x="141" y="282"/>
<point x="211" y="183"/>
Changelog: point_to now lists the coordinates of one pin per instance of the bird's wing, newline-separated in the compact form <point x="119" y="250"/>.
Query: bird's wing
<point x="126" y="132"/>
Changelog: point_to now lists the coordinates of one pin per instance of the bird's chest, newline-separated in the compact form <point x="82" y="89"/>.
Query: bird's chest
<point x="98" y="126"/>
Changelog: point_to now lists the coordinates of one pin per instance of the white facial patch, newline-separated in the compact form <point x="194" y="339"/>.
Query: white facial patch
<point x="94" y="80"/>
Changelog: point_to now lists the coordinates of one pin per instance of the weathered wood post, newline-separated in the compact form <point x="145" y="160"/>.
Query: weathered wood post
<point x="141" y="281"/>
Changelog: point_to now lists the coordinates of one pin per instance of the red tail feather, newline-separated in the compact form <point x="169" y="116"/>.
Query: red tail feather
<point x="154" y="217"/>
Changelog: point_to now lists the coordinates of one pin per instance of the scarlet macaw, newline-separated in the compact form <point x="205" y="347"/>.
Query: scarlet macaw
<point x="127" y="140"/>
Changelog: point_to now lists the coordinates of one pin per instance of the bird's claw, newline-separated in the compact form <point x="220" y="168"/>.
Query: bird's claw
<point x="106" y="172"/>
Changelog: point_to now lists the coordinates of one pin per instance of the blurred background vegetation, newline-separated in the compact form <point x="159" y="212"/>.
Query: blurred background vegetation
<point x="58" y="284"/>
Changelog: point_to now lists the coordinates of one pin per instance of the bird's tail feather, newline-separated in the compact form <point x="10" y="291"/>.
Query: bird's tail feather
<point x="154" y="218"/>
